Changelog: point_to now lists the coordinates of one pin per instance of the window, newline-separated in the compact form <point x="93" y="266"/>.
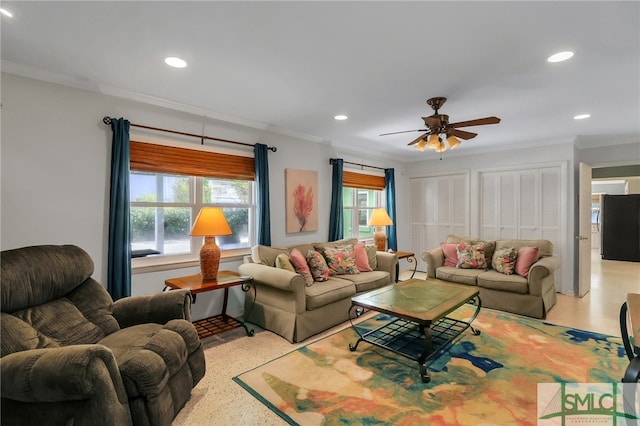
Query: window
<point x="170" y="184"/>
<point x="357" y="204"/>
<point x="163" y="207"/>
<point x="361" y="193"/>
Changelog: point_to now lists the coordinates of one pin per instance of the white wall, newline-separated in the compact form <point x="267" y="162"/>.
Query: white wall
<point x="55" y="174"/>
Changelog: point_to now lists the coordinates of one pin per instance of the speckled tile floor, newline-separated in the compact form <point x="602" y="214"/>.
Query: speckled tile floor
<point x="217" y="400"/>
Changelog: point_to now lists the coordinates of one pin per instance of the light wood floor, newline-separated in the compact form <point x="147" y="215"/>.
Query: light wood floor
<point x="599" y="309"/>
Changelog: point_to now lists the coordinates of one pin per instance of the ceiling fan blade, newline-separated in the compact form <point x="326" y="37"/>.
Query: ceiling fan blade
<point x="462" y="134"/>
<point x="418" y="139"/>
<point x="476" y="122"/>
<point x="405" y="131"/>
<point x="431" y="121"/>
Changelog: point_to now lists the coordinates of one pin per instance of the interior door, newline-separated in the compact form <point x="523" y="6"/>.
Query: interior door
<point x="584" y="236"/>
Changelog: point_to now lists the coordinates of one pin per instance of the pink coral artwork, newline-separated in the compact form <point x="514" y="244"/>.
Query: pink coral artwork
<point x="302" y="200"/>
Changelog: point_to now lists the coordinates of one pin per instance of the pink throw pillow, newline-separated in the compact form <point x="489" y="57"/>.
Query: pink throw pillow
<point x="300" y="264"/>
<point x="527" y="256"/>
<point x="450" y="254"/>
<point x="362" y="260"/>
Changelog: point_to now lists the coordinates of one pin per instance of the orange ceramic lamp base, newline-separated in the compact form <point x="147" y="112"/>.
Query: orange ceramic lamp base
<point x="209" y="259"/>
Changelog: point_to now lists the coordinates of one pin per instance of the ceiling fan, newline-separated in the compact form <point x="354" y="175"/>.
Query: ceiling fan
<point x="438" y="124"/>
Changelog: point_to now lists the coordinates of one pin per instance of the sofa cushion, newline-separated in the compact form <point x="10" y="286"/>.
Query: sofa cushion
<point x="362" y="260"/>
<point x="504" y="260"/>
<point x="283" y="262"/>
<point x="147" y="356"/>
<point x="489" y="246"/>
<point x="366" y="281"/>
<point x="300" y="264"/>
<point x="462" y="276"/>
<point x="266" y="255"/>
<point x="450" y="254"/>
<point x="341" y="260"/>
<point x="332" y="290"/>
<point x="337" y="243"/>
<point x="471" y="256"/>
<point x="527" y="256"/>
<point x="317" y="265"/>
<point x="545" y="247"/>
<point x="372" y="254"/>
<point x="496" y="281"/>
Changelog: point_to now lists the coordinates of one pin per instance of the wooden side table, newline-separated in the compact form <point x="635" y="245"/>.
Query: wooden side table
<point x="222" y="322"/>
<point x="411" y="258"/>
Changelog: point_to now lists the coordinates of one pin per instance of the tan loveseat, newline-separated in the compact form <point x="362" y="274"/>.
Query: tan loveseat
<point x="532" y="295"/>
<point x="284" y="303"/>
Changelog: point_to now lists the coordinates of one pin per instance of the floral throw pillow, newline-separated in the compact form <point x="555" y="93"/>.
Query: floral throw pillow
<point x="504" y="260"/>
<point x="318" y="266"/>
<point x="341" y="260"/>
<point x="471" y="256"/>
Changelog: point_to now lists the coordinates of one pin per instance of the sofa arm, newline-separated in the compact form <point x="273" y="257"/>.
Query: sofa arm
<point x="539" y="272"/>
<point x="387" y="262"/>
<point x="434" y="259"/>
<point x="273" y="277"/>
<point x="158" y="308"/>
<point x="66" y="373"/>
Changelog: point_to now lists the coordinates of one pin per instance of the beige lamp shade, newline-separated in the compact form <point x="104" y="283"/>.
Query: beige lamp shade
<point x="209" y="223"/>
<point x="433" y="140"/>
<point x="380" y="218"/>
<point x="420" y="146"/>
<point x="452" y="141"/>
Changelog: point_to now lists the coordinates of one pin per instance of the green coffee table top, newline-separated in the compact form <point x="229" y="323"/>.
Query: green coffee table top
<point x="422" y="301"/>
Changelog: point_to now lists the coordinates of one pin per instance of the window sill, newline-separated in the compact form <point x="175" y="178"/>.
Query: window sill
<point x="155" y="264"/>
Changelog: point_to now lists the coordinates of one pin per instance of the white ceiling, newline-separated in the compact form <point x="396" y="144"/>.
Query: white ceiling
<point x="291" y="66"/>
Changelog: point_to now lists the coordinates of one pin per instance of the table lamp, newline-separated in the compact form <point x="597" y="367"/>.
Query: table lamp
<point x="380" y="218"/>
<point x="209" y="223"/>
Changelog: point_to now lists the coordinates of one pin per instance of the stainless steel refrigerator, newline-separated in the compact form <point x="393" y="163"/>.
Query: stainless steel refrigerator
<point x="620" y="227"/>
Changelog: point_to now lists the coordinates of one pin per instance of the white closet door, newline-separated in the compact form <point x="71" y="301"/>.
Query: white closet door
<point x="528" y="212"/>
<point x="438" y="206"/>
<point x="507" y="206"/>
<point x="459" y="205"/>
<point x="488" y="206"/>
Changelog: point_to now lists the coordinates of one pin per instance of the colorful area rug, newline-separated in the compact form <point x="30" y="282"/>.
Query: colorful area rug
<point x="487" y="379"/>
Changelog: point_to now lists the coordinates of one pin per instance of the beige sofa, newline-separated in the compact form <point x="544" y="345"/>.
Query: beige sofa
<point x="532" y="296"/>
<point x="284" y="303"/>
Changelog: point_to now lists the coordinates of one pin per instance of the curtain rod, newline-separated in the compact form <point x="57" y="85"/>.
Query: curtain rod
<point x="332" y="160"/>
<point x="107" y="120"/>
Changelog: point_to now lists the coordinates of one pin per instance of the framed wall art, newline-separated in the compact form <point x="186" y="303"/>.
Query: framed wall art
<point x="301" y="188"/>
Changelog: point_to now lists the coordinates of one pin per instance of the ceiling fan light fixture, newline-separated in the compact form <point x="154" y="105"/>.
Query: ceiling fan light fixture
<point x="441" y="146"/>
<point x="420" y="146"/>
<point x="433" y="141"/>
<point x="452" y="141"/>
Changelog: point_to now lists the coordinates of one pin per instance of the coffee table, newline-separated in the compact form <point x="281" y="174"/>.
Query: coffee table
<point x="419" y="327"/>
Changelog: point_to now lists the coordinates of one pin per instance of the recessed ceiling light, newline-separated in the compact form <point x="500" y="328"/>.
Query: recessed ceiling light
<point x="175" y="62"/>
<point x="581" y="116"/>
<point x="340" y="117"/>
<point x="6" y="13"/>
<point x="560" y="56"/>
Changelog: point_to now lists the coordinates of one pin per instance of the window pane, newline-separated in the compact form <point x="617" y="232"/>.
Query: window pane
<point x="220" y="191"/>
<point x="238" y="219"/>
<point x="348" y="223"/>
<point x="347" y="197"/>
<point x="163" y="229"/>
<point x="363" y="198"/>
<point x="153" y="187"/>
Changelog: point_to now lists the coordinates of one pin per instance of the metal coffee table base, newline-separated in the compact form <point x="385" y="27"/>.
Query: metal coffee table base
<point x="416" y="341"/>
